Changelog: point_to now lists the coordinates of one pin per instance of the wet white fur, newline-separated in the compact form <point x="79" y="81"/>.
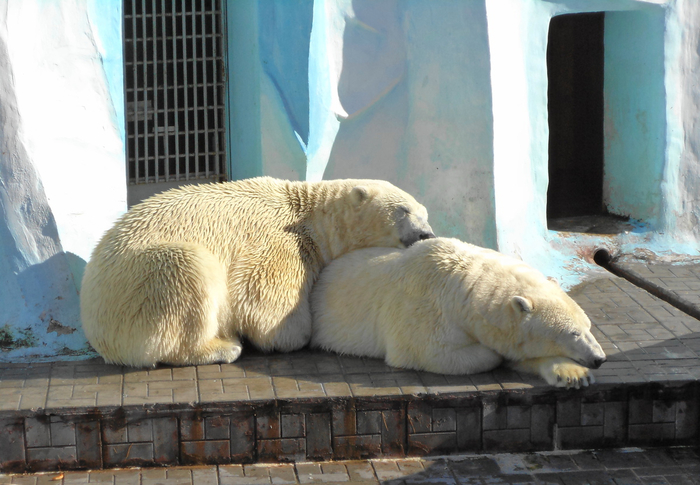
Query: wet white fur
<point x="183" y="274"/>
<point x="446" y="306"/>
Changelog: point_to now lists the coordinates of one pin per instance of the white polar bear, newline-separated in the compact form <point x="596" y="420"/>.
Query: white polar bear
<point x="180" y="276"/>
<point x="449" y="307"/>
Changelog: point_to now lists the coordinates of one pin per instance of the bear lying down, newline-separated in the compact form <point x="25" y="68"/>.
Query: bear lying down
<point x="449" y="307"/>
<point x="184" y="274"/>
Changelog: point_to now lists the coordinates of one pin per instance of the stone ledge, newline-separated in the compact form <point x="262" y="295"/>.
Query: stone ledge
<point x="321" y="429"/>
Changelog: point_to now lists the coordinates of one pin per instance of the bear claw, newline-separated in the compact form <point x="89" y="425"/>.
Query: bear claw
<point x="566" y="374"/>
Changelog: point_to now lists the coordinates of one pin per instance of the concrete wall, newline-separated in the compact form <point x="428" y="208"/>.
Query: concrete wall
<point x="61" y="164"/>
<point x="447" y="99"/>
<point x="651" y="95"/>
<point x="681" y="185"/>
<point x="398" y="90"/>
<point x="635" y="115"/>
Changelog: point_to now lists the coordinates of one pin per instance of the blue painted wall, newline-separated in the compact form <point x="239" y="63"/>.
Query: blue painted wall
<point x="635" y="113"/>
<point x="390" y="89"/>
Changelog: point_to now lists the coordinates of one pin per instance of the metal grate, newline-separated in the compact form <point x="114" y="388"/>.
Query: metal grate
<point x="174" y="76"/>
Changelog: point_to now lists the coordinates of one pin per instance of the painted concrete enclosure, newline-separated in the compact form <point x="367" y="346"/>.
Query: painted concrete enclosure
<point x="61" y="165"/>
<point x="447" y="99"/>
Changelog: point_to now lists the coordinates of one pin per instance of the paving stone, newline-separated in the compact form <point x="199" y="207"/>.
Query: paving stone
<point x="165" y="440"/>
<point x="282" y="474"/>
<point x="494" y="416"/>
<point x="542" y="418"/>
<point x="507" y="440"/>
<point x="360" y="471"/>
<point x="37" y="432"/>
<point x="88" y="445"/>
<point x="357" y="447"/>
<point x="518" y="417"/>
<point x="282" y="450"/>
<point x="293" y="425"/>
<point x="12" y="444"/>
<point x="131" y="454"/>
<point x="432" y="443"/>
<point x="318" y="440"/>
<point x="51" y="457"/>
<point x="420" y="417"/>
<point x="206" y="451"/>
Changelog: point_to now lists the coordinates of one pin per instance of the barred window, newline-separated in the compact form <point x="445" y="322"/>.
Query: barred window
<point x="174" y="53"/>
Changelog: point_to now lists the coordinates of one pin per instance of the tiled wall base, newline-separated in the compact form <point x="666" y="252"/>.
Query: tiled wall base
<point x="350" y="428"/>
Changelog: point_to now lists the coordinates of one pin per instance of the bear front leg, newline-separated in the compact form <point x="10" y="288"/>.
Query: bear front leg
<point x="557" y="371"/>
<point x="221" y="351"/>
<point x="458" y="360"/>
<point x="214" y="351"/>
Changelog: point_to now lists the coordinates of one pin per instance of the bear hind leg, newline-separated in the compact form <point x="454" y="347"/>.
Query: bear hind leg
<point x="295" y="331"/>
<point x="188" y="305"/>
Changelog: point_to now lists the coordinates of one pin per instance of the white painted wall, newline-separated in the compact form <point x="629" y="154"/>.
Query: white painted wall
<point x="662" y="190"/>
<point x="62" y="164"/>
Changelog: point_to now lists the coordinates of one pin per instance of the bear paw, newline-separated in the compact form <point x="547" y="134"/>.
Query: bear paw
<point x="566" y="373"/>
<point x="229" y="353"/>
<point x="218" y="351"/>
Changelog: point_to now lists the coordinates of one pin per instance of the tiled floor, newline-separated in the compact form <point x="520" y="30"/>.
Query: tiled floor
<point x="629" y="466"/>
<point x="681" y="280"/>
<point x="645" y="339"/>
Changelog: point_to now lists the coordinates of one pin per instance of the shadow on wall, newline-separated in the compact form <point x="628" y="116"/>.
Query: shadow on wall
<point x="41" y="320"/>
<point x="415" y="99"/>
<point x="373" y="94"/>
<point x="39" y="282"/>
<point x="285" y="34"/>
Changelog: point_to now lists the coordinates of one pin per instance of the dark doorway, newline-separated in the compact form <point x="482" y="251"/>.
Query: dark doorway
<point x="575" y="64"/>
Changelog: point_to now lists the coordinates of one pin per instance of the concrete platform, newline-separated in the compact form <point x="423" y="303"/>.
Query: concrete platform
<point x="309" y="405"/>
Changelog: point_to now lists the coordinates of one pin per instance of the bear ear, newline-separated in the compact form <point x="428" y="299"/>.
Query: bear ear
<point x="553" y="280"/>
<point x="359" y="194"/>
<point x="521" y="304"/>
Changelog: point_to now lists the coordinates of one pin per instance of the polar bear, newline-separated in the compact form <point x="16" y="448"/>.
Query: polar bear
<point x="449" y="307"/>
<point x="182" y="275"/>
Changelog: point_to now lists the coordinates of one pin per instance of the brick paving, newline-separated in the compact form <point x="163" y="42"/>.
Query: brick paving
<point x="681" y="280"/>
<point x="620" y="466"/>
<point x="646" y="340"/>
<point x="312" y="405"/>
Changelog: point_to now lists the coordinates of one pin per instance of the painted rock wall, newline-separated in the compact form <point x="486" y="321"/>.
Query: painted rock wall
<point x="397" y="90"/>
<point x="446" y="99"/>
<point x="62" y="181"/>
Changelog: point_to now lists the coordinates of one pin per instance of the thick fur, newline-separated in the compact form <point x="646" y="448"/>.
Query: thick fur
<point x="182" y="275"/>
<point x="449" y="307"/>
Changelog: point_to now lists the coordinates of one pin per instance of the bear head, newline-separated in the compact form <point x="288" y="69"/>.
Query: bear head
<point x="386" y="216"/>
<point x="548" y="323"/>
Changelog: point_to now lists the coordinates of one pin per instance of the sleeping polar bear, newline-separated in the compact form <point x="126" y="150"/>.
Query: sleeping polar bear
<point x="184" y="274"/>
<point x="449" y="307"/>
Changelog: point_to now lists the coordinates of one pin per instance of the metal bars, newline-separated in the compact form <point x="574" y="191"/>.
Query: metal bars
<point x="175" y="92"/>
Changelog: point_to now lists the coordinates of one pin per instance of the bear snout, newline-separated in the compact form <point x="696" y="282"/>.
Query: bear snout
<point x="598" y="362"/>
<point x="407" y="241"/>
